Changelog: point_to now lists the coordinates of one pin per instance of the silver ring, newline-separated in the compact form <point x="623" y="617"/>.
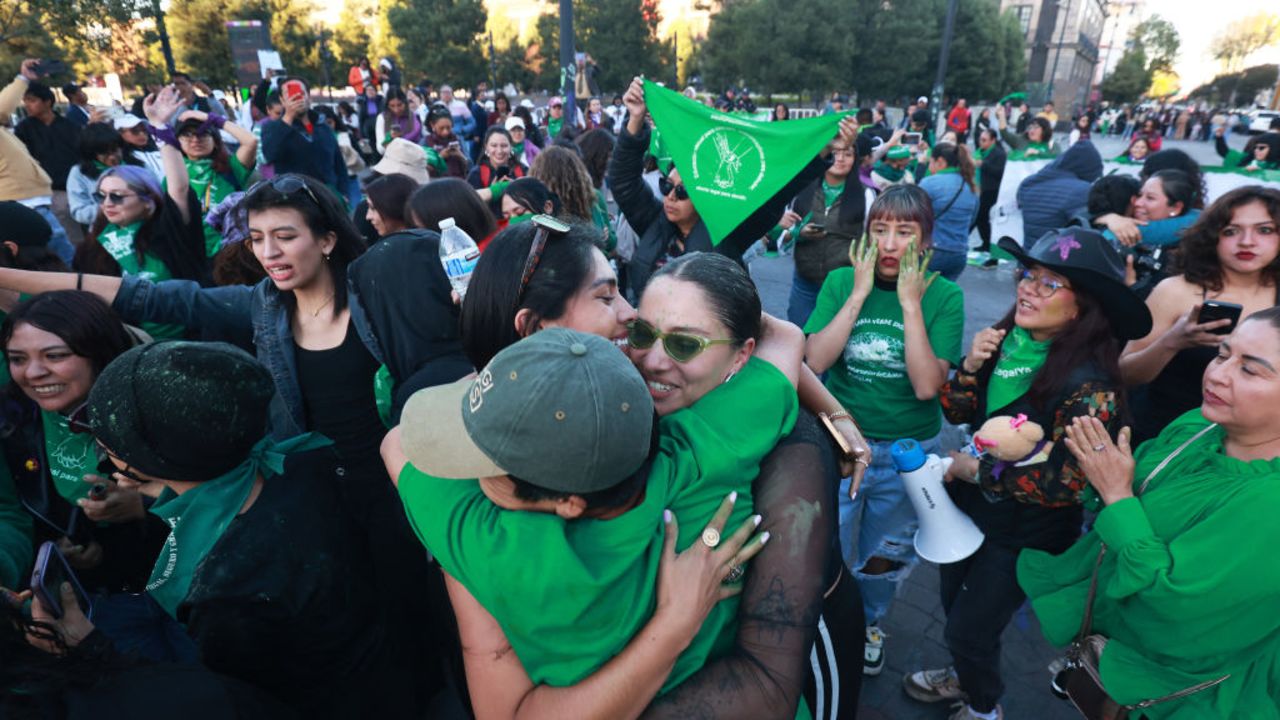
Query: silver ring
<point x="711" y="538"/>
<point x="1099" y="447"/>
<point x="860" y="460"/>
<point x="735" y="574"/>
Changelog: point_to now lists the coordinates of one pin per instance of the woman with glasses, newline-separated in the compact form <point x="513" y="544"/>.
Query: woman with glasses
<point x="574" y="286"/>
<point x="101" y="148"/>
<point x="213" y="172"/>
<point x="669" y="226"/>
<point x="1053" y="359"/>
<point x="886" y="332"/>
<point x="56" y="344"/>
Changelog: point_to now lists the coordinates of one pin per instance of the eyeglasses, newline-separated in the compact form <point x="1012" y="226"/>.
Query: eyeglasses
<point x="681" y="347"/>
<point x="112" y="198"/>
<point x="285" y="185"/>
<point x="1041" y="285"/>
<point x="78" y="424"/>
<point x="665" y="187"/>
<point x="546" y="225"/>
<point x="192" y="135"/>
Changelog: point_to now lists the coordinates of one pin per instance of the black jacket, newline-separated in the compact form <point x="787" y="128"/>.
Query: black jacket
<point x="658" y="235"/>
<point x="992" y="170"/>
<point x="1059" y="191"/>
<point x="842" y="223"/>
<point x="55" y="146"/>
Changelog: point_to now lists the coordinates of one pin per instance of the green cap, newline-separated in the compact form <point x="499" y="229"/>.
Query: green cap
<point x="563" y="410"/>
<point x="898" y="152"/>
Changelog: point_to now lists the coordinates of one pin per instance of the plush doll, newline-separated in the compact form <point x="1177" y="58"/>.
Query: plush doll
<point x="1012" y="442"/>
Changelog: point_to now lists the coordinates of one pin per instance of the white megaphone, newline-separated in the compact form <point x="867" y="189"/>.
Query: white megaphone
<point x="946" y="534"/>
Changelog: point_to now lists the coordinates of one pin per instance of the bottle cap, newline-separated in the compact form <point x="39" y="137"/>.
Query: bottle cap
<point x="907" y="455"/>
<point x="447" y="223"/>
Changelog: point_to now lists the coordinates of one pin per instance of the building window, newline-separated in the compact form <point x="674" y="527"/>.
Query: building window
<point x="1024" y="17"/>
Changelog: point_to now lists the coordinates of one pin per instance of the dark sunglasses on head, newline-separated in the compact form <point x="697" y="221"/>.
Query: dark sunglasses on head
<point x="665" y="187"/>
<point x="546" y="225"/>
<point x="112" y="198"/>
<point x="285" y="185"/>
<point x="681" y="347"/>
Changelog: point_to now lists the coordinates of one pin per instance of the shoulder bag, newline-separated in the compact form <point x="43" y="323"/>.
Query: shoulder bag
<point x="1083" y="681"/>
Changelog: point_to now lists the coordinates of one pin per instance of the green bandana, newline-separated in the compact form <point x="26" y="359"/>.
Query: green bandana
<point x="383" y="384"/>
<point x="554" y="126"/>
<point x="730" y="165"/>
<point x="1032" y="151"/>
<point x="517" y="150"/>
<point x="889" y="172"/>
<point x="830" y="193"/>
<point x="70" y="456"/>
<point x="1021" y="358"/>
<point x="199" y="516"/>
<point x="517" y="219"/>
<point x="118" y="242"/>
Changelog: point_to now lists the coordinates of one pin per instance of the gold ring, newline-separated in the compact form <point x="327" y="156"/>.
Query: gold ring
<point x="711" y="538"/>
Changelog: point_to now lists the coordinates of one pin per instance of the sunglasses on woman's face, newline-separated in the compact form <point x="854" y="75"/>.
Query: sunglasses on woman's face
<point x="665" y="187"/>
<point x="112" y="198"/>
<point x="681" y="347"/>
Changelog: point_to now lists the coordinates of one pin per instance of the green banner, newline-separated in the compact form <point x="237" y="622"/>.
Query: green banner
<point x="729" y="165"/>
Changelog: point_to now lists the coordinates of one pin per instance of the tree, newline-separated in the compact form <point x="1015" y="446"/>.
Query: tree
<point x="201" y="45"/>
<point x="352" y="36"/>
<point x="515" y="66"/>
<point x="987" y="59"/>
<point x="622" y="37"/>
<point x="893" y="41"/>
<point x="1244" y="85"/>
<point x="438" y="39"/>
<point x="547" y="63"/>
<point x="1131" y="78"/>
<point x="1244" y="37"/>
<point x="1159" y="40"/>
<point x="778" y="46"/>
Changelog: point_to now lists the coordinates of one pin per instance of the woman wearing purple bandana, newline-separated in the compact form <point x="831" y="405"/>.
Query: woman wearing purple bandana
<point x="1053" y="359"/>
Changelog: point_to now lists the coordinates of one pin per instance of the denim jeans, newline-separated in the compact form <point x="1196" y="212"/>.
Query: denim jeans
<point x="59" y="243"/>
<point x="948" y="263"/>
<point x="804" y="296"/>
<point x="886" y="524"/>
<point x="136" y="624"/>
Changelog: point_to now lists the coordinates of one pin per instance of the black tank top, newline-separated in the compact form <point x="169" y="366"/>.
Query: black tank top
<point x="337" y="395"/>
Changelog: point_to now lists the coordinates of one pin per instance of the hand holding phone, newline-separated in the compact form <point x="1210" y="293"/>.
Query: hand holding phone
<point x="912" y="139"/>
<point x="52" y="572"/>
<point x="294" y="89"/>
<point x="1212" y="310"/>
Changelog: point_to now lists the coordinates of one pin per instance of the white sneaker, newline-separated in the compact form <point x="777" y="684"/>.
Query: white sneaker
<point x="934" y="685"/>
<point x="873" y="651"/>
<point x="964" y="712"/>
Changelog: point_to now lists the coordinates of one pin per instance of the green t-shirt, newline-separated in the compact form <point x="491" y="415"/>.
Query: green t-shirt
<point x="118" y="242"/>
<point x="870" y="379"/>
<point x="212" y="188"/>
<point x="70" y="455"/>
<point x="570" y="594"/>
<point x="383" y="387"/>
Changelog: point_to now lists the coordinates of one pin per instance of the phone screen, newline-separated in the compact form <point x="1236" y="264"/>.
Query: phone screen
<point x="911" y="138"/>
<point x="46" y="581"/>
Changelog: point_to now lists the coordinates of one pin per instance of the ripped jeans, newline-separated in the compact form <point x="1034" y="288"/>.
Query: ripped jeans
<point x="886" y="528"/>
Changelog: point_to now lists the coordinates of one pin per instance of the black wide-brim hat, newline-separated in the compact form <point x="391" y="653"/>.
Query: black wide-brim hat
<point x="1089" y="261"/>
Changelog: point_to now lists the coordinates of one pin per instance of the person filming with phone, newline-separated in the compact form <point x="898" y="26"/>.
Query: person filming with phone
<point x="297" y="143"/>
<point x="1226" y="268"/>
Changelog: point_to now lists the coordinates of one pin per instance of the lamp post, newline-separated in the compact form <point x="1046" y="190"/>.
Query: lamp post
<point x="1053" y="74"/>
<point x="568" y="68"/>
<point x="935" y="102"/>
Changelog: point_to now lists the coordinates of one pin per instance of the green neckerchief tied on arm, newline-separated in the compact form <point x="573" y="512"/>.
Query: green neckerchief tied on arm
<point x="198" y="517"/>
<point x="730" y="165"/>
<point x="1021" y="357"/>
<point x="69" y="456"/>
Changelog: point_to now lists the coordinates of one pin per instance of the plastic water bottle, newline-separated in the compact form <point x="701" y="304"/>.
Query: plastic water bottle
<point x="458" y="254"/>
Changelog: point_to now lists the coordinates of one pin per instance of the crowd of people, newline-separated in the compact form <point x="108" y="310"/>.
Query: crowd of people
<point x="265" y="455"/>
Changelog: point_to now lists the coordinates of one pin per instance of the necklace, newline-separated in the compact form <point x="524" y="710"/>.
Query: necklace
<point x="322" y="305"/>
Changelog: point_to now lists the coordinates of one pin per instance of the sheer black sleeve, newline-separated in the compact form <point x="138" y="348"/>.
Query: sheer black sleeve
<point x="764" y="675"/>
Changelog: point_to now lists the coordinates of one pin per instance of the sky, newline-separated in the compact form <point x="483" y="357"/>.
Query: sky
<point x="1197" y="27"/>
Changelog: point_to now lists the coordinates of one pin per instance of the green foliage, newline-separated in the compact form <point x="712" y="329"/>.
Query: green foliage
<point x="513" y="66"/>
<point x="987" y="59"/>
<point x="548" y="59"/>
<point x="1131" y="78"/>
<point x="896" y="46"/>
<point x="351" y="38"/>
<point x="1244" y="85"/>
<point x="778" y="46"/>
<point x="622" y="37"/>
<point x="201" y="46"/>
<point x="1244" y="37"/>
<point x="1159" y="39"/>
<point x="438" y="39"/>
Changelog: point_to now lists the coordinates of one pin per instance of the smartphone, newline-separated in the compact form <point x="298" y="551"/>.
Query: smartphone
<point x="50" y="67"/>
<point x="46" y="581"/>
<point x="294" y="89"/>
<point x="912" y="139"/>
<point x="1213" y="310"/>
<point x="846" y="451"/>
<point x="454" y="144"/>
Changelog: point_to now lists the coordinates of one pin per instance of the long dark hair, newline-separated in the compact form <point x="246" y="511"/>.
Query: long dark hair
<point x="219" y="158"/>
<point x="451" y="197"/>
<point x="1086" y="340"/>
<point x="597" y="148"/>
<point x="99" y="139"/>
<point x="324" y="213"/>
<point x="83" y="321"/>
<point x="957" y="156"/>
<point x="1197" y="256"/>
<point x="533" y="195"/>
<point x="28" y="673"/>
<point x="494" y="297"/>
<point x="1178" y="188"/>
<point x="183" y="253"/>
<point x="389" y="195"/>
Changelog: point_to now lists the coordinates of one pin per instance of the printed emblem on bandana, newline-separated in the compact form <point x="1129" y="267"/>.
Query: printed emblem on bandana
<point x="727" y="162"/>
<point x="1065" y="245"/>
<point x="117" y="243"/>
<point x="71" y="453"/>
<point x="482" y="385"/>
<point x="171" y="562"/>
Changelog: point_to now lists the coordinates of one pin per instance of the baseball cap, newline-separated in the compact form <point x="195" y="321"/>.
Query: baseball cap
<point x="127" y="121"/>
<point x="404" y="157"/>
<point x="922" y="100"/>
<point x="526" y="103"/>
<point x="898" y="152"/>
<point x="555" y="101"/>
<point x="563" y="410"/>
<point x="515" y="121"/>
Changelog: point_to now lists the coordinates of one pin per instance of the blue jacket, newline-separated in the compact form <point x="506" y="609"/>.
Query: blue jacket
<point x="954" y="205"/>
<point x="292" y="150"/>
<point x="1059" y="191"/>
<point x="251" y="317"/>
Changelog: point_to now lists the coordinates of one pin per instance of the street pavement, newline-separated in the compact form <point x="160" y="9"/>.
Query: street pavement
<point x="914" y="625"/>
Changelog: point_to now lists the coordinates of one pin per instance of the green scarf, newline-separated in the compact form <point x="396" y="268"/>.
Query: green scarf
<point x="1042" y="151"/>
<point x="199" y="516"/>
<point x="118" y="242"/>
<point x="70" y="456"/>
<point x="383" y="387"/>
<point x="830" y="193"/>
<point x="889" y="172"/>
<point x="554" y="126"/>
<point x="517" y="151"/>
<point x="1021" y="358"/>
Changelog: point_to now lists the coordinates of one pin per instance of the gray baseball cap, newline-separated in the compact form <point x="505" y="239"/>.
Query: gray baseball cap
<point x="560" y="409"/>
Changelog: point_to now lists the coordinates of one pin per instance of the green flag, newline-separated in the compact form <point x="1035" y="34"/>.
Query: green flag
<point x="729" y="165"/>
